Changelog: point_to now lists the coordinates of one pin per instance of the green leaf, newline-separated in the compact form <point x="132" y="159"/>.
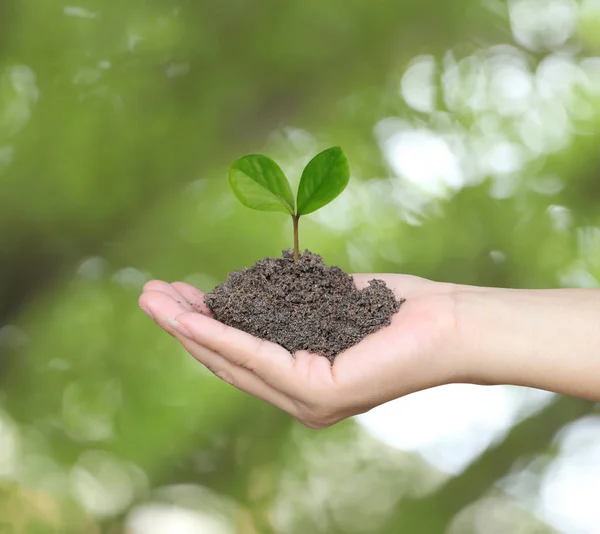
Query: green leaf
<point x="323" y="179"/>
<point x="259" y="183"/>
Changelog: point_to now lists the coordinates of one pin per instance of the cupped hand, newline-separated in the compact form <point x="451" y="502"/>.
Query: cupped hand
<point x="417" y="351"/>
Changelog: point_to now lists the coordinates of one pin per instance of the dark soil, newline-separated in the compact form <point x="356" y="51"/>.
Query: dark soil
<point x="302" y="305"/>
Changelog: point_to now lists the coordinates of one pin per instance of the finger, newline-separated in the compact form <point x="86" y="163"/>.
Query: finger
<point x="162" y="307"/>
<point x="168" y="289"/>
<point x="236" y="376"/>
<point x="194" y="296"/>
<point x="403" y="285"/>
<point x="269" y="361"/>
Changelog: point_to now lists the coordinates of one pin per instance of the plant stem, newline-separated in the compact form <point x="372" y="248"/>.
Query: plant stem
<point x="295" y="218"/>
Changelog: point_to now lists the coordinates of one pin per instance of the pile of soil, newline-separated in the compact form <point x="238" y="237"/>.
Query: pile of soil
<point x="302" y="305"/>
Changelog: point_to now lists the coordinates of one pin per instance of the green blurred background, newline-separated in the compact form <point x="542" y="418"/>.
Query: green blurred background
<point x="473" y="131"/>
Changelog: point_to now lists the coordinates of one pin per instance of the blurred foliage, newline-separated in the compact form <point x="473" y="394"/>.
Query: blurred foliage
<point x="117" y="123"/>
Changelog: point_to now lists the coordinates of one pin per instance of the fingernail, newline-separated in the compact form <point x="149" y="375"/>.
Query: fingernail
<point x="180" y="328"/>
<point x="147" y="312"/>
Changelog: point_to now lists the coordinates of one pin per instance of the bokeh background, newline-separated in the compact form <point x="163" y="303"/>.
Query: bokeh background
<point x="473" y="131"/>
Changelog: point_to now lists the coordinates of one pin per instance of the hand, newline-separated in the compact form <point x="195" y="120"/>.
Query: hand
<point x="417" y="351"/>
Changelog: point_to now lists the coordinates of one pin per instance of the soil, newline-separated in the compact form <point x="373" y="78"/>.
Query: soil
<point x="302" y="305"/>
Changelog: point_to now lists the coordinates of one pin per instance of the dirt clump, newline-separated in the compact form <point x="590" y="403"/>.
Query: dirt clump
<point x="302" y="305"/>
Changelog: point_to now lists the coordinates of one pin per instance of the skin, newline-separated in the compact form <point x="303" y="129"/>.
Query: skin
<point x="443" y="333"/>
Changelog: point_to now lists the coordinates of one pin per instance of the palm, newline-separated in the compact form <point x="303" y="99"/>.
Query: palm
<point x="394" y="361"/>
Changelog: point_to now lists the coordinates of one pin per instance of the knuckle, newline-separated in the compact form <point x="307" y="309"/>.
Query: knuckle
<point x="249" y="361"/>
<point x="224" y="375"/>
<point x="244" y="362"/>
<point x="261" y="348"/>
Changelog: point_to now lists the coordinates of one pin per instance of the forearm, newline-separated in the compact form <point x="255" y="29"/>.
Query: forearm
<point x="547" y="339"/>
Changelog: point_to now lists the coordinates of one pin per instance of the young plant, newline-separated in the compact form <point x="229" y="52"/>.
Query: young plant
<point x="259" y="183"/>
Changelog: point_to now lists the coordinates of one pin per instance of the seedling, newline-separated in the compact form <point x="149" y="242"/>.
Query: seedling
<point x="259" y="183"/>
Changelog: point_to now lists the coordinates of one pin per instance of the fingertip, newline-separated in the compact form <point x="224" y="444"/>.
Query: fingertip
<point x="155" y="285"/>
<point x="161" y="305"/>
<point x="149" y="299"/>
<point x="143" y="299"/>
<point x="185" y="286"/>
<point x="142" y="303"/>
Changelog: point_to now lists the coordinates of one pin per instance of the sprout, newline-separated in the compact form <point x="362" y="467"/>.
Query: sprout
<point x="259" y="183"/>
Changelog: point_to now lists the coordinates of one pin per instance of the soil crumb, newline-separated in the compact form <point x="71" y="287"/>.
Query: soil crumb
<point x="302" y="305"/>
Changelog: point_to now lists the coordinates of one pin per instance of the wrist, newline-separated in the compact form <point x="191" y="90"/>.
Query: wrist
<point x="476" y="335"/>
<point x="547" y="339"/>
<point x="455" y="347"/>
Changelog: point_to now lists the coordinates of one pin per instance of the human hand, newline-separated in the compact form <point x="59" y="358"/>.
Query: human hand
<point x="417" y="351"/>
